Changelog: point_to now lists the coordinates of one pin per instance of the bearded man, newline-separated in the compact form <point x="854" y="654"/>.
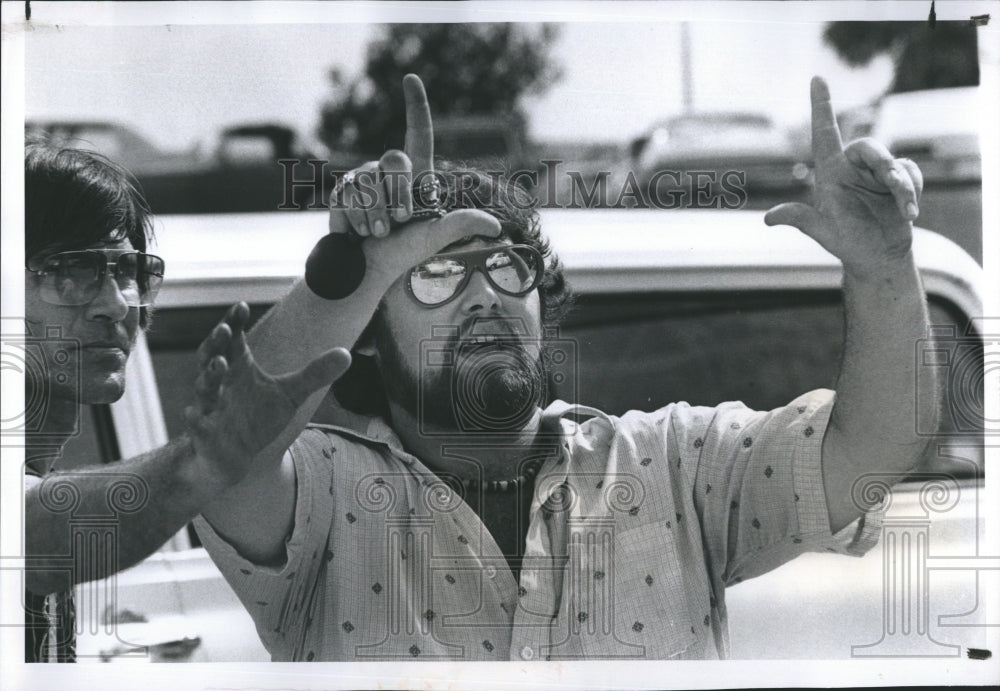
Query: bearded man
<point x="440" y="507"/>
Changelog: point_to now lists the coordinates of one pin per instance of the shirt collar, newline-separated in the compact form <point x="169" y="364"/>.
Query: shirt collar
<point x="568" y="421"/>
<point x="362" y="427"/>
<point x="554" y="422"/>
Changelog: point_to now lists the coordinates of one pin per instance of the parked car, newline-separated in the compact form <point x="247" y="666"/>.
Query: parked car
<point x="936" y="128"/>
<point x="939" y="130"/>
<point x="119" y="142"/>
<point x="238" y="170"/>
<point x="719" y="308"/>
<point x="716" y="144"/>
<point x="485" y="141"/>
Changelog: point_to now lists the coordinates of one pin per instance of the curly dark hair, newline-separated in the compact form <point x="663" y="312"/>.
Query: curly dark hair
<point x="75" y="199"/>
<point x="465" y="187"/>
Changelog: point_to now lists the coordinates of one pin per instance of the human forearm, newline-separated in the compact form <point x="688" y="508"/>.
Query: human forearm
<point x="303" y="325"/>
<point x="245" y="417"/>
<point x="257" y="515"/>
<point x="873" y="427"/>
<point x="863" y="211"/>
<point x="147" y="499"/>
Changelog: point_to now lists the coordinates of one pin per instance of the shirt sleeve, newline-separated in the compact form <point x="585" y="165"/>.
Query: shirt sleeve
<point x="757" y="485"/>
<point x="279" y="597"/>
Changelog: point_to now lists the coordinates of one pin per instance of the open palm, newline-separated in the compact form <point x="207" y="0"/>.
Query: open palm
<point x="240" y="409"/>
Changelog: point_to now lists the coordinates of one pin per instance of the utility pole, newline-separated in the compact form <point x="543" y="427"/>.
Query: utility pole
<point x="687" y="79"/>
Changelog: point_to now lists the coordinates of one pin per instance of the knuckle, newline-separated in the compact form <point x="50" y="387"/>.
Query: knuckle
<point x="909" y="166"/>
<point x="394" y="157"/>
<point x="357" y="218"/>
<point x="366" y="175"/>
<point x="873" y="149"/>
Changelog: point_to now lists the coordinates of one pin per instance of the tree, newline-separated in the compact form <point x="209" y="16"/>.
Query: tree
<point x="925" y="56"/>
<point x="468" y="69"/>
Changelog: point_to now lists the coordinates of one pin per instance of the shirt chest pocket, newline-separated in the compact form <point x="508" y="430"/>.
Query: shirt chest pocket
<point x="628" y="598"/>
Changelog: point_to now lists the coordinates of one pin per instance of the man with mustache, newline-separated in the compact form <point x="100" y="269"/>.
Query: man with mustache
<point x="89" y="289"/>
<point x="440" y="507"/>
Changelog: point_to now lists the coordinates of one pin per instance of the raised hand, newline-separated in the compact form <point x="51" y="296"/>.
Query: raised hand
<point x="865" y="200"/>
<point x="240" y="409"/>
<point x="382" y="194"/>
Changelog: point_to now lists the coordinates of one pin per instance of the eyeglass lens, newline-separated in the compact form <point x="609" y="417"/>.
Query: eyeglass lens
<point x="511" y="270"/>
<point x="75" y="278"/>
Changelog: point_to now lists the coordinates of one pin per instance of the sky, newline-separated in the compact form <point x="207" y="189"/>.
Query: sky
<point x="178" y="83"/>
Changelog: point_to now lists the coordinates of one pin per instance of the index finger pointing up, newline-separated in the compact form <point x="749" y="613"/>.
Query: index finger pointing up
<point x="825" y="133"/>
<point x="419" y="143"/>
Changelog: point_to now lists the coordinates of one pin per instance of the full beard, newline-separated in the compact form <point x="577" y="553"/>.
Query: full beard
<point x="491" y="388"/>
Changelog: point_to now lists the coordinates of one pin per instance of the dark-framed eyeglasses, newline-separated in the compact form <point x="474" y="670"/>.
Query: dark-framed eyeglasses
<point x="76" y="277"/>
<point x="511" y="269"/>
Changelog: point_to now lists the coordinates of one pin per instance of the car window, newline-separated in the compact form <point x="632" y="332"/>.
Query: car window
<point x="246" y="150"/>
<point x="698" y="129"/>
<point x="644" y="351"/>
<point x="761" y="348"/>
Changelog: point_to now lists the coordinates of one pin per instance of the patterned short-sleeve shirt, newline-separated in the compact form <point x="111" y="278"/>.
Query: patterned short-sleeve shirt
<point x="637" y="525"/>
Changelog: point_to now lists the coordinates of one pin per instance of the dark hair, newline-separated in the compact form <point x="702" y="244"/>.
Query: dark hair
<point x="463" y="187"/>
<point x="75" y="199"/>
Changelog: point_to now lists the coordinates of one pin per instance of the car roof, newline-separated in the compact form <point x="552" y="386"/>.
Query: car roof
<point x="927" y="114"/>
<point x="221" y="258"/>
<point x="717" y="117"/>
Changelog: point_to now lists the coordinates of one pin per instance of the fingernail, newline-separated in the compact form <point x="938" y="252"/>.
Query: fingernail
<point x="400" y="214"/>
<point x="379" y="228"/>
<point x="911" y="210"/>
<point x="364" y="229"/>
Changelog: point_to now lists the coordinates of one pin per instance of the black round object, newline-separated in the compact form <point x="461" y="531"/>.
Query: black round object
<point x="336" y="266"/>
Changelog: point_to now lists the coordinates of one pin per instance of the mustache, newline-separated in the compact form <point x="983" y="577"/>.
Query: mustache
<point x="506" y="330"/>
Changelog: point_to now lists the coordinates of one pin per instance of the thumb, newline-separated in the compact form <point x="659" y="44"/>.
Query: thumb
<point x="320" y="373"/>
<point x="801" y="216"/>
<point x="459" y="224"/>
